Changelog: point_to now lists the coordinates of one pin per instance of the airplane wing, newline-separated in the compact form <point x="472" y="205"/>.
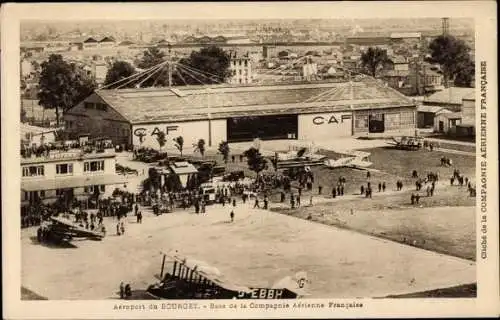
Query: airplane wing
<point x="76" y="229"/>
<point x="394" y="142"/>
<point x="342" y="162"/>
<point x="205" y="271"/>
<point x="360" y="163"/>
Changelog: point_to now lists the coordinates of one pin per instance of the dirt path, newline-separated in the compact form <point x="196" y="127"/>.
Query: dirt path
<point x="259" y="248"/>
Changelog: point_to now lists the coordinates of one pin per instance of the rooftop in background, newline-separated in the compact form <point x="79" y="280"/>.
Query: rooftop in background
<point x="222" y="101"/>
<point x="452" y="95"/>
<point x="405" y="35"/>
<point x="432" y="109"/>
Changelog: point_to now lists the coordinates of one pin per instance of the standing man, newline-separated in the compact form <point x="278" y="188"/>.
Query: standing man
<point x="320" y="188"/>
<point x="122" y="290"/>
<point x="256" y="204"/>
<point x="231" y="215"/>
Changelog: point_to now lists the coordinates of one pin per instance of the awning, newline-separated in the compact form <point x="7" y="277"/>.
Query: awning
<point x="183" y="167"/>
<point x="72" y="182"/>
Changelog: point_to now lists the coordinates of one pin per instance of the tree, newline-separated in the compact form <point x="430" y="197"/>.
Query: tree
<point x="465" y="75"/>
<point x="118" y="71"/>
<point x="256" y="162"/>
<point x="453" y="55"/>
<point x="179" y="143"/>
<point x="373" y="60"/>
<point x="150" y="58"/>
<point x="62" y="85"/>
<point x="161" y="138"/>
<point x="212" y="61"/>
<point x="224" y="150"/>
<point x="200" y="146"/>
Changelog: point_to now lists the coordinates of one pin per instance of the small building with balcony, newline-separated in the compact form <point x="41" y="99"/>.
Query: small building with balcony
<point x="67" y="174"/>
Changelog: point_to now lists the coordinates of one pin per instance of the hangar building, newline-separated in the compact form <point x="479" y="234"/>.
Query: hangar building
<point x="316" y="111"/>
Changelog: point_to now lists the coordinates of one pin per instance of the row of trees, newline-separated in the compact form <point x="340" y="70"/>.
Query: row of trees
<point x="452" y="54"/>
<point x="200" y="146"/>
<point x="256" y="161"/>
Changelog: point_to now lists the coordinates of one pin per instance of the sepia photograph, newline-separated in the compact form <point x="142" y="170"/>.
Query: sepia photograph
<point x="250" y="163"/>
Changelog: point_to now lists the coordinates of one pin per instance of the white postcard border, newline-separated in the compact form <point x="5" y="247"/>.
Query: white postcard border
<point x="484" y="14"/>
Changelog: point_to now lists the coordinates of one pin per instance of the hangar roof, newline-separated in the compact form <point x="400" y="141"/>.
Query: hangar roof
<point x="221" y="101"/>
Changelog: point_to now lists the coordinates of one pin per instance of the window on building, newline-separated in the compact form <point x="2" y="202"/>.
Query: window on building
<point x="25" y="195"/>
<point x="33" y="171"/>
<point x="88" y="105"/>
<point x="59" y="192"/>
<point x="102" y="188"/>
<point x="101" y="106"/>
<point x="361" y="122"/>
<point x="93" y="166"/>
<point x="42" y="194"/>
<point x="88" y="189"/>
<point x="246" y="63"/>
<point x="407" y="118"/>
<point x="64" y="168"/>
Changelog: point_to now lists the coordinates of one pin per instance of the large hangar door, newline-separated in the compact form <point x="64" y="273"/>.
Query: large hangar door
<point x="376" y="123"/>
<point x="262" y="127"/>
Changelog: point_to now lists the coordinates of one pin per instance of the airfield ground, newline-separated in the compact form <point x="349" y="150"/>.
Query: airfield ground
<point x="386" y="247"/>
<point x="260" y="247"/>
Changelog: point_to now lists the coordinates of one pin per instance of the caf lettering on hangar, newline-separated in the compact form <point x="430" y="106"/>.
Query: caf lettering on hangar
<point x="332" y="119"/>
<point x="141" y="132"/>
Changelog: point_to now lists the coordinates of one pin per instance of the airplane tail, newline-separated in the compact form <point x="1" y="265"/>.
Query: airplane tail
<point x="297" y="283"/>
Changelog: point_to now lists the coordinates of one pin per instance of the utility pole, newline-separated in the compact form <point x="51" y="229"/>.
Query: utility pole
<point x="170" y="74"/>
<point x="351" y="97"/>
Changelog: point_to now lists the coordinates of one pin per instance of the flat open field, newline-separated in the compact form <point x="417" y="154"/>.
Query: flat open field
<point x="259" y="248"/>
<point x="374" y="252"/>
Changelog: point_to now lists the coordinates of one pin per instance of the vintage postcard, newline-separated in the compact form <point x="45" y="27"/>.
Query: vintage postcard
<point x="249" y="160"/>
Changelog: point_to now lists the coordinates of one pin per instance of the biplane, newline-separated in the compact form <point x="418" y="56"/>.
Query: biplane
<point x="63" y="230"/>
<point x="407" y="142"/>
<point x="193" y="279"/>
<point x="352" y="159"/>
